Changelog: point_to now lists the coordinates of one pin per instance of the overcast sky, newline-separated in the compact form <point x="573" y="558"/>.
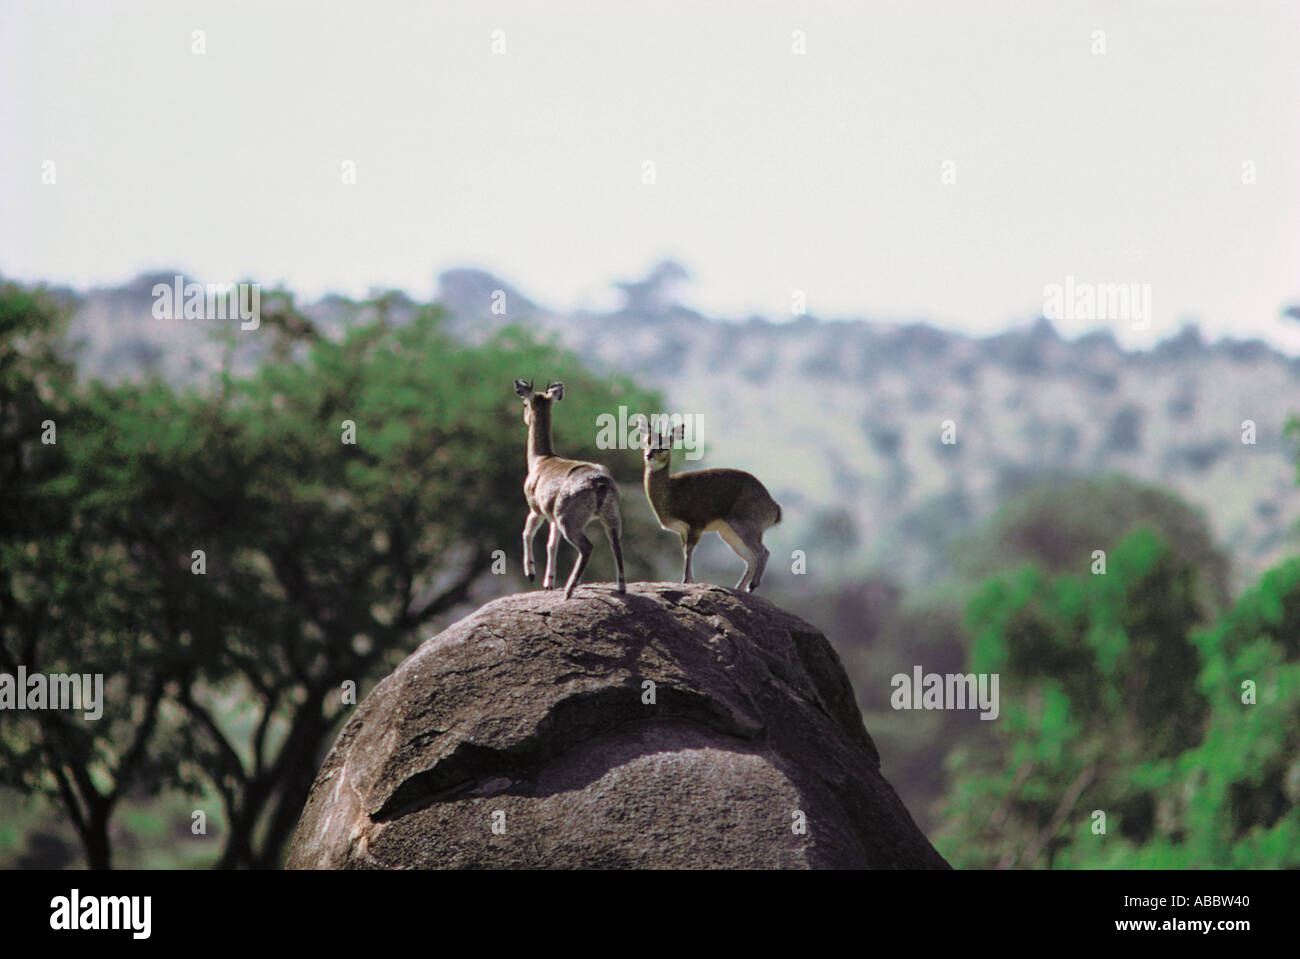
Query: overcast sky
<point x="774" y="172"/>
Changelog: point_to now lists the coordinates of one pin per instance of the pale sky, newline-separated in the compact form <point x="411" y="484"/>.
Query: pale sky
<point x="774" y="172"/>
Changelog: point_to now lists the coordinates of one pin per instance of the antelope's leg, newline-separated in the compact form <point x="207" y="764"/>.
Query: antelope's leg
<point x="616" y="544"/>
<point x="572" y="531"/>
<point x="533" y="521"/>
<point x="742" y="549"/>
<point x="552" y="549"/>
<point x="613" y="522"/>
<point x="753" y="538"/>
<point x="690" y="539"/>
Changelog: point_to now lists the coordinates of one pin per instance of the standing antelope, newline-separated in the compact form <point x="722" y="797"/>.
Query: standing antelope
<point x="566" y="493"/>
<point x="731" y="503"/>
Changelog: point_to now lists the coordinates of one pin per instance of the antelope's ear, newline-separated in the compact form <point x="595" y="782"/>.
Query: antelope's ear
<point x="679" y="433"/>
<point x="556" y="392"/>
<point x="642" y="428"/>
<point x="523" y="388"/>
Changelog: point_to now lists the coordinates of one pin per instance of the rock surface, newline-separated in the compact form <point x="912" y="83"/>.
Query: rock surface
<point x="532" y="715"/>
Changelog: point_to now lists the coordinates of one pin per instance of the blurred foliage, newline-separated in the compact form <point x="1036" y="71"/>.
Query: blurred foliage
<point x="1058" y="524"/>
<point x="1049" y="527"/>
<point x="323" y="562"/>
<point x="1118" y="700"/>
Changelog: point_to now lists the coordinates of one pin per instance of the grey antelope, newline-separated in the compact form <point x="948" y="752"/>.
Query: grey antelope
<point x="566" y="493"/>
<point x="731" y="503"/>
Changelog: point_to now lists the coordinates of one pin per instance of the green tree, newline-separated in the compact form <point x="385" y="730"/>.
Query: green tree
<point x="251" y="549"/>
<point x="1240" y="788"/>
<point x="1059" y="524"/>
<point x="1097" y="684"/>
<point x="67" y="604"/>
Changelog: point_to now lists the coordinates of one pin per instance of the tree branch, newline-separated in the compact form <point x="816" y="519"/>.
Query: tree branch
<point x="143" y="733"/>
<point x="424" y="607"/>
<point x="236" y="765"/>
<point x="1081" y="782"/>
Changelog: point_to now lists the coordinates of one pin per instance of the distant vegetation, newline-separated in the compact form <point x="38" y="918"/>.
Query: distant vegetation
<point x="842" y="418"/>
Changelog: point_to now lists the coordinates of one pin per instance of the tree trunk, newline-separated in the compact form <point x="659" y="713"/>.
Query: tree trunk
<point x="288" y="808"/>
<point x="238" y="853"/>
<point x="94" y="838"/>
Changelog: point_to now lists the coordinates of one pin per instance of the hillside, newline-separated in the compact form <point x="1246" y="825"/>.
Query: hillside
<point x="843" y="419"/>
<point x="876" y="486"/>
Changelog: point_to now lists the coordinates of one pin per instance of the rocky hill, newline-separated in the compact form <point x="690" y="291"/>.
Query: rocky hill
<point x="672" y="727"/>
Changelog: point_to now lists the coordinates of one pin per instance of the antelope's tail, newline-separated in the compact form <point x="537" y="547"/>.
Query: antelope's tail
<point x="603" y="485"/>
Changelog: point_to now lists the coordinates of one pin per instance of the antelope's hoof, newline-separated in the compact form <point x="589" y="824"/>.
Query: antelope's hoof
<point x="530" y="576"/>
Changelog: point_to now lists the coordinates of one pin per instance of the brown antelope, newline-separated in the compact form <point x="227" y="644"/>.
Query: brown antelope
<point x="566" y="493"/>
<point x="731" y="503"/>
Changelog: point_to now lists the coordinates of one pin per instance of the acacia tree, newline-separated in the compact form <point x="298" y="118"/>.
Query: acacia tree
<point x="67" y="603"/>
<point x="283" y="538"/>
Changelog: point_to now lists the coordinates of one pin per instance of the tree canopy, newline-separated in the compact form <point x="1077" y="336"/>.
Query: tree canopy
<point x="240" y="557"/>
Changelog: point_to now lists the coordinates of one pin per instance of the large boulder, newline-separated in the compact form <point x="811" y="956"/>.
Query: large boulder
<point x="676" y="726"/>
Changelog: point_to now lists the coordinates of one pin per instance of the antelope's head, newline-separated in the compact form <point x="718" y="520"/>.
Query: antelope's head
<point x="657" y="445"/>
<point x="537" y="402"/>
